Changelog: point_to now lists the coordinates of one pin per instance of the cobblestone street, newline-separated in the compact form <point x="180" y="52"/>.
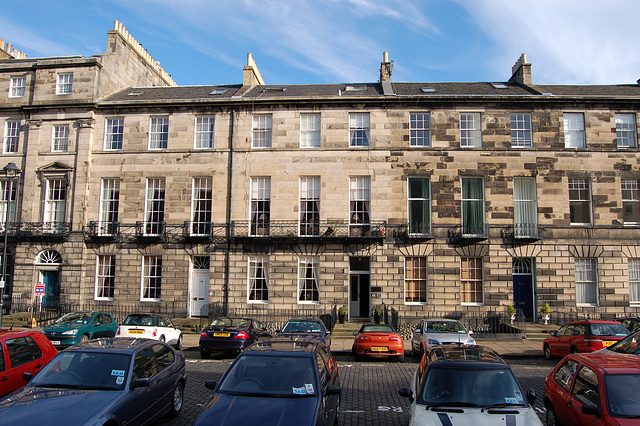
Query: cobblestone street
<point x="369" y="389"/>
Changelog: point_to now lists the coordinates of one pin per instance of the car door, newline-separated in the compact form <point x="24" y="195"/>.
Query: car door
<point x="585" y="391"/>
<point x="325" y="401"/>
<point x="24" y="355"/>
<point x="109" y="326"/>
<point x="97" y="327"/>
<point x="163" y="380"/>
<point x="169" y="330"/>
<point x="145" y="401"/>
<point x="561" y="387"/>
<point x="563" y="340"/>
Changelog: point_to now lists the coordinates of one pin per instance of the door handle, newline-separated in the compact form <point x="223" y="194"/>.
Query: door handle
<point x="569" y="403"/>
<point x="4" y="379"/>
<point x="39" y="366"/>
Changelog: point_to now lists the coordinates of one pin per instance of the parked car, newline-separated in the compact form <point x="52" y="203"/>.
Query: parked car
<point x="467" y="384"/>
<point x="628" y="345"/>
<point x="22" y="351"/>
<point x="102" y="382"/>
<point x="306" y="328"/>
<point x="157" y="327"/>
<point x="582" y="336"/>
<point x="630" y="323"/>
<point x="76" y="327"/>
<point x="230" y="335"/>
<point x="377" y="340"/>
<point x="434" y="332"/>
<point x="594" y="389"/>
<point x="277" y="381"/>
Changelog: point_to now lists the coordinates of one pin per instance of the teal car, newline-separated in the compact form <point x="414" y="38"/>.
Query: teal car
<point x="76" y="327"/>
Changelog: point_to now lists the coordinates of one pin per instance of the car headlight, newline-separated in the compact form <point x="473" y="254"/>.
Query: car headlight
<point x="433" y="342"/>
<point x="72" y="332"/>
<point x="470" y="342"/>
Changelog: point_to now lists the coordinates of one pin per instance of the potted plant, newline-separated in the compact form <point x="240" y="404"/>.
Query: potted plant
<point x="512" y="313"/>
<point x="341" y="313"/>
<point x="545" y="313"/>
<point x="377" y="315"/>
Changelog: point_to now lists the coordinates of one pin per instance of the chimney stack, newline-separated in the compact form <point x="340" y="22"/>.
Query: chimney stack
<point x="385" y="68"/>
<point x="251" y="75"/>
<point x="521" y="71"/>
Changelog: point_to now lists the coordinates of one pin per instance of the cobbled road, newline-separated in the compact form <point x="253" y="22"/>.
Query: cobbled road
<point x="369" y="389"/>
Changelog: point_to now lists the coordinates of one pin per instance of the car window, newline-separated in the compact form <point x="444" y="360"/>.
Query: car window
<point x="585" y="388"/>
<point x="562" y="330"/>
<point x="20" y="351"/>
<point x="145" y="364"/>
<point x="258" y="325"/>
<point x="322" y="370"/>
<point x="605" y="329"/>
<point x="164" y="355"/>
<point x="565" y="373"/>
<point x="444" y="327"/>
<point x="628" y="345"/>
<point x="623" y="392"/>
<point x="379" y="328"/>
<point x="107" y="319"/>
<point x="303" y="327"/>
<point x="77" y="317"/>
<point x="579" y="330"/>
<point x="98" y="320"/>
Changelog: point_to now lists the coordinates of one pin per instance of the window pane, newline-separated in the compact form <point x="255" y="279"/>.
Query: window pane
<point x="470" y="130"/>
<point x="308" y="280"/>
<point x="634" y="281"/>
<point x="109" y="206"/>
<point x="309" y="130"/>
<point x="202" y="201"/>
<point x="419" y="205"/>
<point x="158" y="132"/>
<point x="154" y="207"/>
<point x="310" y="205"/>
<point x="204" y="132"/>
<point x="626" y="130"/>
<point x="260" y="206"/>
<point x="631" y="201"/>
<point x="105" y="276"/>
<point x="151" y="277"/>
<point x="525" y="212"/>
<point x="114" y="133"/>
<point x="420" y="129"/>
<point x="580" y="201"/>
<point x="262" y="125"/>
<point x="473" y="206"/>
<point x="415" y="285"/>
<point x="586" y="282"/>
<point x="60" y="138"/>
<point x="359" y="129"/>
<point x="11" y="136"/>
<point x="258" y="280"/>
<point x="471" y="280"/>
<point x="574" y="135"/>
<point x="521" y="130"/>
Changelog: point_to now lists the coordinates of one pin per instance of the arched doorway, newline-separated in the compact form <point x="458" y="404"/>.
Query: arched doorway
<point x="49" y="263"/>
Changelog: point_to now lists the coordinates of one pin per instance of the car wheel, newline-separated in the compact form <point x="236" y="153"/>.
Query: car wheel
<point x="552" y="419"/>
<point x="161" y="339"/>
<point x="547" y="352"/>
<point x="413" y="351"/>
<point x="400" y="358"/>
<point x="356" y="357"/>
<point x="204" y="354"/>
<point x="177" y="400"/>
<point x="573" y="350"/>
<point x="84" y="338"/>
<point x="337" y="417"/>
<point x="179" y="344"/>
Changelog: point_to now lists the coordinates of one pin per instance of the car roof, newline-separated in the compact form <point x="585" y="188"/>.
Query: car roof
<point x="9" y="333"/>
<point x="592" y="322"/>
<point x="306" y="319"/>
<point x="283" y="346"/>
<point x="125" y="345"/>
<point x="611" y="363"/>
<point x="457" y="355"/>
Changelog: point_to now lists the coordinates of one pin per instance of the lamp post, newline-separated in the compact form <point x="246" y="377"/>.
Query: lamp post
<point x="10" y="171"/>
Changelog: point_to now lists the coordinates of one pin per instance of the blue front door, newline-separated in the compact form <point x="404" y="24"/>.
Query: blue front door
<point x="51" y="281"/>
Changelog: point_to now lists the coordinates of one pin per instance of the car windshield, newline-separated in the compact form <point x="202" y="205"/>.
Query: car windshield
<point x="84" y="370"/>
<point x="628" y="345"/>
<point x="471" y="387"/>
<point x="444" y="327"/>
<point x="231" y="322"/>
<point x="77" y="317"/>
<point x="605" y="329"/>
<point x="302" y="327"/>
<point x="278" y="376"/>
<point x="377" y="328"/>
<point x="141" y="320"/>
<point x="623" y="394"/>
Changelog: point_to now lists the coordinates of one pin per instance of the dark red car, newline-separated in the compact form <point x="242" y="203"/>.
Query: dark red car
<point x="22" y="351"/>
<point x="594" y="389"/>
<point x="583" y="336"/>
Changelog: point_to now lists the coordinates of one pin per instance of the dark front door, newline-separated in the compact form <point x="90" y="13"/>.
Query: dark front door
<point x="523" y="294"/>
<point x="51" y="281"/>
<point x="364" y="295"/>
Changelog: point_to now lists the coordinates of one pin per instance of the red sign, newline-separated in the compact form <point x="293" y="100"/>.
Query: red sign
<point x="39" y="288"/>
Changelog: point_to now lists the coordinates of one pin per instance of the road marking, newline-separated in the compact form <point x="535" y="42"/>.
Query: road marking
<point x="351" y="411"/>
<point x="393" y="409"/>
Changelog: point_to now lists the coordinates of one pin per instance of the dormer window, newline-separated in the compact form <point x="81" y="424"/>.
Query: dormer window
<point x="64" y="83"/>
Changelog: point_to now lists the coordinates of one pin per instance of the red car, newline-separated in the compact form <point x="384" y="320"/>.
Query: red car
<point x="23" y="351"/>
<point x="583" y="336"/>
<point x="376" y="340"/>
<point x="594" y="389"/>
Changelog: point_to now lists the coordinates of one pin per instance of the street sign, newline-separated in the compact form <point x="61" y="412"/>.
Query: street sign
<point x="39" y="288"/>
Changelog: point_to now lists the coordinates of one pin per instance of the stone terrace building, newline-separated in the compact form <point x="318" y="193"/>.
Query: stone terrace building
<point x="426" y="197"/>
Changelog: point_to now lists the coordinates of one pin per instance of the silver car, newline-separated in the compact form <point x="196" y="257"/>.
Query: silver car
<point x="434" y="332"/>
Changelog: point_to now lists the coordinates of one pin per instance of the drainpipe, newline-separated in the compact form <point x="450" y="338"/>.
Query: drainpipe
<point x="227" y="255"/>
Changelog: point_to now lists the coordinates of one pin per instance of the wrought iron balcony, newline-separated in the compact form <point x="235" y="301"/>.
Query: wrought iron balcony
<point x="39" y="230"/>
<point x="208" y="231"/>
<point x="310" y="230"/>
<point x="522" y="232"/>
<point x="469" y="231"/>
<point x="417" y="230"/>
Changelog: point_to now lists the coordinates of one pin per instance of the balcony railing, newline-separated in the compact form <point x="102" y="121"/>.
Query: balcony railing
<point x="320" y="229"/>
<point x="38" y="229"/>
<point x="475" y="231"/>
<point x="527" y="231"/>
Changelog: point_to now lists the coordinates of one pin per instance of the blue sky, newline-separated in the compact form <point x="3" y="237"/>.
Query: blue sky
<point x="341" y="41"/>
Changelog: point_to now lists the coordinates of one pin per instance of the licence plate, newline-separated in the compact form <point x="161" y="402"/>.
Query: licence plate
<point x="609" y="342"/>
<point x="136" y="332"/>
<point x="55" y="342"/>
<point x="221" y="334"/>
<point x="379" y="349"/>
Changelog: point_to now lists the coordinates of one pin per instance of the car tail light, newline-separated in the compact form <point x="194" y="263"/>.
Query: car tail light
<point x="155" y="332"/>
<point x="204" y="333"/>
<point x="594" y="344"/>
<point x="118" y="332"/>
<point x="242" y="335"/>
<point x="364" y="339"/>
<point x="394" y="339"/>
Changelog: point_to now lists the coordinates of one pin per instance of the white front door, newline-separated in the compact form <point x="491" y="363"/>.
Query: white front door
<point x="199" y="291"/>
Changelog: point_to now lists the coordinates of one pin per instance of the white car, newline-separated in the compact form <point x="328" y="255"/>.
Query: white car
<point x="149" y="326"/>
<point x="467" y="385"/>
<point x="434" y="332"/>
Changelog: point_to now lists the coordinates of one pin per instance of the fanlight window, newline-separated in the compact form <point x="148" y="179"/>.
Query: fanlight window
<point x="50" y="257"/>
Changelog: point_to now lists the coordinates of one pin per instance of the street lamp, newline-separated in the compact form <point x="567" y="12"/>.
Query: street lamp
<point x="10" y="171"/>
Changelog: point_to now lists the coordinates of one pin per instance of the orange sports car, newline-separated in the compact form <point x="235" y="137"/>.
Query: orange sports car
<point x="378" y="340"/>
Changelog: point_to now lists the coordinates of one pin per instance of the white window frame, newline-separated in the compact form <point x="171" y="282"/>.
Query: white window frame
<point x="525" y="207"/>
<point x="201" y="205"/>
<point x="359" y="206"/>
<point x="60" y="138"/>
<point x="151" y="274"/>
<point x="415" y="276"/>
<point x="586" y="276"/>
<point x="574" y="130"/>
<point x="310" y="126"/>
<point x="466" y="265"/>
<point x="471" y="227"/>
<point x="204" y="132"/>
<point x="55" y="204"/>
<point x="415" y="227"/>
<point x="359" y="130"/>
<point x="109" y="206"/>
<point x="64" y="83"/>
<point x="260" y="212"/>
<point x="626" y="131"/>
<point x="584" y="196"/>
<point x="521" y="135"/>
<point x="155" y="197"/>
<point x="309" y="217"/>
<point x="261" y="131"/>
<point x="420" y="129"/>
<point x="634" y="282"/>
<point x="113" y="133"/>
<point x="470" y="130"/>
<point x="11" y="137"/>
<point x="306" y="284"/>
<point x="8" y="202"/>
<point x="254" y="294"/>
<point x="105" y="277"/>
<point x="158" y="133"/>
<point x="631" y="199"/>
<point x="18" y="86"/>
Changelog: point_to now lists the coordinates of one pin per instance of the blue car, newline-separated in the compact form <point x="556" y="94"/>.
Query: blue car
<point x="305" y="329"/>
<point x="102" y="382"/>
<point x="76" y="327"/>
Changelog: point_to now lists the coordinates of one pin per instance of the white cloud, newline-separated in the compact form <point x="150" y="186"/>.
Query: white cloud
<point x="25" y="39"/>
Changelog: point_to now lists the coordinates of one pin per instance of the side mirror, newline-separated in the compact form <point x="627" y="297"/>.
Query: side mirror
<point x="210" y="384"/>
<point x="553" y="333"/>
<point x="592" y="410"/>
<point x="27" y="376"/>
<point x="417" y="331"/>
<point x="406" y="393"/>
<point x="355" y="334"/>
<point x="531" y="396"/>
<point x="141" y="383"/>
<point x="470" y="332"/>
<point x="95" y="324"/>
<point x="333" y="390"/>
